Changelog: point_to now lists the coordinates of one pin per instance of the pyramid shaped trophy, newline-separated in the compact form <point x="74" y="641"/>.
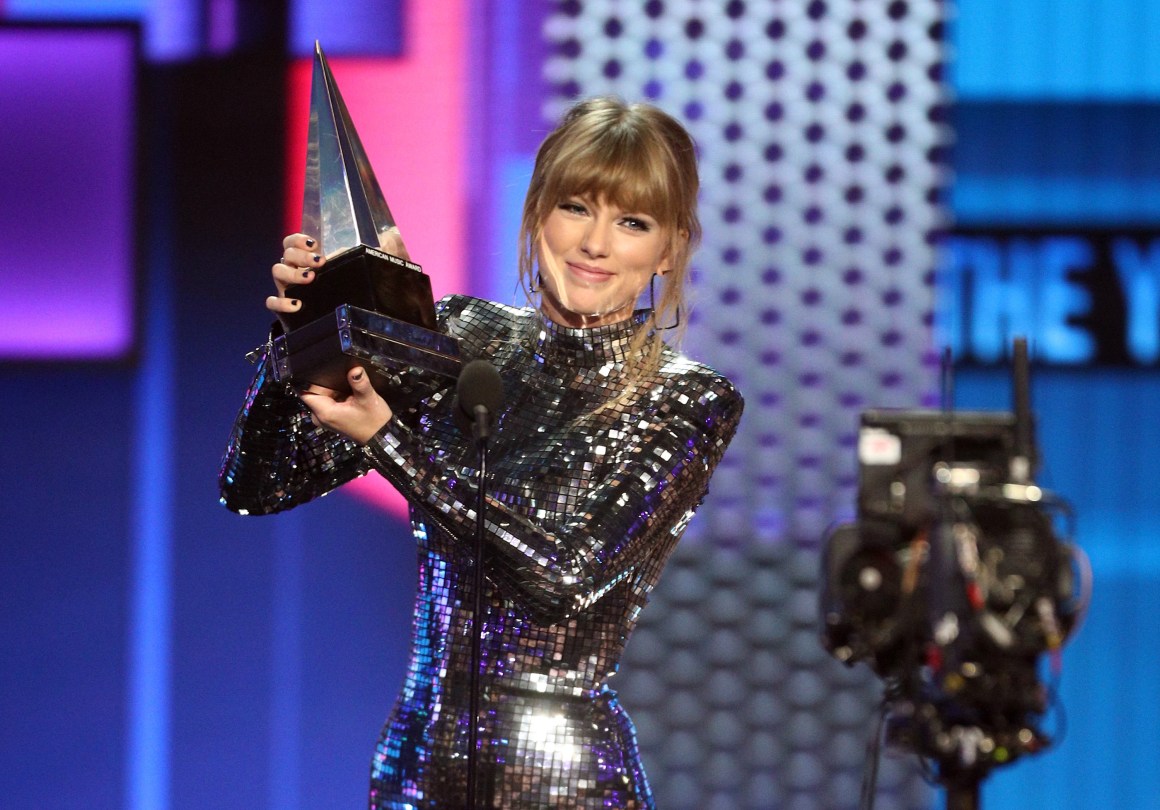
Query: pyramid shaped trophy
<point x="369" y="304"/>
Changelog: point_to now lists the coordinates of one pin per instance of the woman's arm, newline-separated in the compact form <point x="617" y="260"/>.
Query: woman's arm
<point x="279" y="453"/>
<point x="277" y="457"/>
<point x="660" y="475"/>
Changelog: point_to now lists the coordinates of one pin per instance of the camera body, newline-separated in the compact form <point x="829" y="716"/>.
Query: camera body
<point x="951" y="584"/>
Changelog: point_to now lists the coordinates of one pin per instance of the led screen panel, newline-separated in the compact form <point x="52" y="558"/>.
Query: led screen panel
<point x="350" y="27"/>
<point x="67" y="156"/>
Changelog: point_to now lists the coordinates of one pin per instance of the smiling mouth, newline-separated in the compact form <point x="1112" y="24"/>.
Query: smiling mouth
<point x="589" y="273"/>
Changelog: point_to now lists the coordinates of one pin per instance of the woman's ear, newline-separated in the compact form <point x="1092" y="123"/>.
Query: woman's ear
<point x="679" y="243"/>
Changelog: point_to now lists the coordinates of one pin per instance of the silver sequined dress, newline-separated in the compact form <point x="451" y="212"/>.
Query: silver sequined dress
<point x="584" y="507"/>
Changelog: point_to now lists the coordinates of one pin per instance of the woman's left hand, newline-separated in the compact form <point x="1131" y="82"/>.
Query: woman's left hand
<point x="359" y="414"/>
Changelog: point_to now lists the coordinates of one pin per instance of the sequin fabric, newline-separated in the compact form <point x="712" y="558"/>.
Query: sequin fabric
<point x="588" y="493"/>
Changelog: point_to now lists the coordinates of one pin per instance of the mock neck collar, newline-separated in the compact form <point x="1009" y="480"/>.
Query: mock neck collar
<point x="587" y="346"/>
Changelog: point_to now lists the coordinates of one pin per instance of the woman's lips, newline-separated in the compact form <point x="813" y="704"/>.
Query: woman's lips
<point x="587" y="273"/>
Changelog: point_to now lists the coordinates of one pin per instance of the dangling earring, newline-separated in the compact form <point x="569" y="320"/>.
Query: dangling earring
<point x="538" y="282"/>
<point x="653" y="309"/>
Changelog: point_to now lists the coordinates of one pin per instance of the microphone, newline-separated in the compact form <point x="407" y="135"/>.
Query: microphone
<point x="478" y="396"/>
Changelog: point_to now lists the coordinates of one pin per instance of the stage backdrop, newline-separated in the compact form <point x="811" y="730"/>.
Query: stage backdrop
<point x="819" y="127"/>
<point x="161" y="653"/>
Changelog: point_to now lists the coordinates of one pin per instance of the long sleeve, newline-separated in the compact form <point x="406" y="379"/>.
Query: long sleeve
<point x="662" y="458"/>
<point x="277" y="458"/>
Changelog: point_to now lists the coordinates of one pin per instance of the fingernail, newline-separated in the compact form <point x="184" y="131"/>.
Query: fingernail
<point x="316" y="257"/>
<point x="309" y="243"/>
<point x="307" y="273"/>
<point x="294" y="302"/>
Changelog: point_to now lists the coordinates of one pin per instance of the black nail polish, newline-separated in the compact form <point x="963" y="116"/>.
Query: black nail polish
<point x="316" y="257"/>
<point x="309" y="243"/>
<point x="306" y="273"/>
<point x="294" y="302"/>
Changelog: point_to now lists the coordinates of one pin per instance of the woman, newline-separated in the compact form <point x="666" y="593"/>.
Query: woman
<point x="601" y="452"/>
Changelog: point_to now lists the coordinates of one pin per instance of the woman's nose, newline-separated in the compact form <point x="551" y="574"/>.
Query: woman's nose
<point x="595" y="239"/>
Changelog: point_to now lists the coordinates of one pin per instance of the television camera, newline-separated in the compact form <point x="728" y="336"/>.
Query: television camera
<point x="953" y="585"/>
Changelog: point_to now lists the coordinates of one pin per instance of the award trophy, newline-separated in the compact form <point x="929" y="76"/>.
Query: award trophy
<point x="369" y="304"/>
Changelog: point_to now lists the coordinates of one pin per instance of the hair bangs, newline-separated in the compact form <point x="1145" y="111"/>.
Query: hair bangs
<point x="611" y="169"/>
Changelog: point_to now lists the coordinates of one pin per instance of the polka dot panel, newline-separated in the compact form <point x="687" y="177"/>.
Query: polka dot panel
<point x="821" y="136"/>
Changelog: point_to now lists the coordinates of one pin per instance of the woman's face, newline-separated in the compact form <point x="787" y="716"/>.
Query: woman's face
<point x="596" y="259"/>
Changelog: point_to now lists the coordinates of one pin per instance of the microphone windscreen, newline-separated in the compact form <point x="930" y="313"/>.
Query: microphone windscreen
<point x="479" y="384"/>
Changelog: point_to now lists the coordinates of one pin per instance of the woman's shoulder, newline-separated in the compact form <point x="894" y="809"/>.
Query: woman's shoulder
<point x="466" y="308"/>
<point x="685" y="377"/>
<point x="478" y="322"/>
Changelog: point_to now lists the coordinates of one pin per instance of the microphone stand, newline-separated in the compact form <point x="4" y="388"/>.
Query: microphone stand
<point x="481" y="430"/>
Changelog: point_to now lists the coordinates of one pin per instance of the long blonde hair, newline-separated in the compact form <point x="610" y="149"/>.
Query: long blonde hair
<point x="634" y="156"/>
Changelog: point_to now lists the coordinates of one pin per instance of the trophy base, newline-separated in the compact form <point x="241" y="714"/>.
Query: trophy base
<point x="367" y="278"/>
<point x="322" y="352"/>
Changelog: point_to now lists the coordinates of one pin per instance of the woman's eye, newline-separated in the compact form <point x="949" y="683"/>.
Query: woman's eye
<point x="636" y="224"/>
<point x="572" y="207"/>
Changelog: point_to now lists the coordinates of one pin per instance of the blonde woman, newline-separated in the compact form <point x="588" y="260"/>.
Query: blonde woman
<point x="600" y="454"/>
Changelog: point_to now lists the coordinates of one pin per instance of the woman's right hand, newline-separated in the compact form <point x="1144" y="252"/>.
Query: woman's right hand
<point x="300" y="261"/>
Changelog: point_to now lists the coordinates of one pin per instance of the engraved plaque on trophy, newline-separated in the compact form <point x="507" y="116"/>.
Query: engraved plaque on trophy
<point x="369" y="303"/>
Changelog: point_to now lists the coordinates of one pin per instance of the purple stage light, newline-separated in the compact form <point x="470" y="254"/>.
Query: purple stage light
<point x="67" y="156"/>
